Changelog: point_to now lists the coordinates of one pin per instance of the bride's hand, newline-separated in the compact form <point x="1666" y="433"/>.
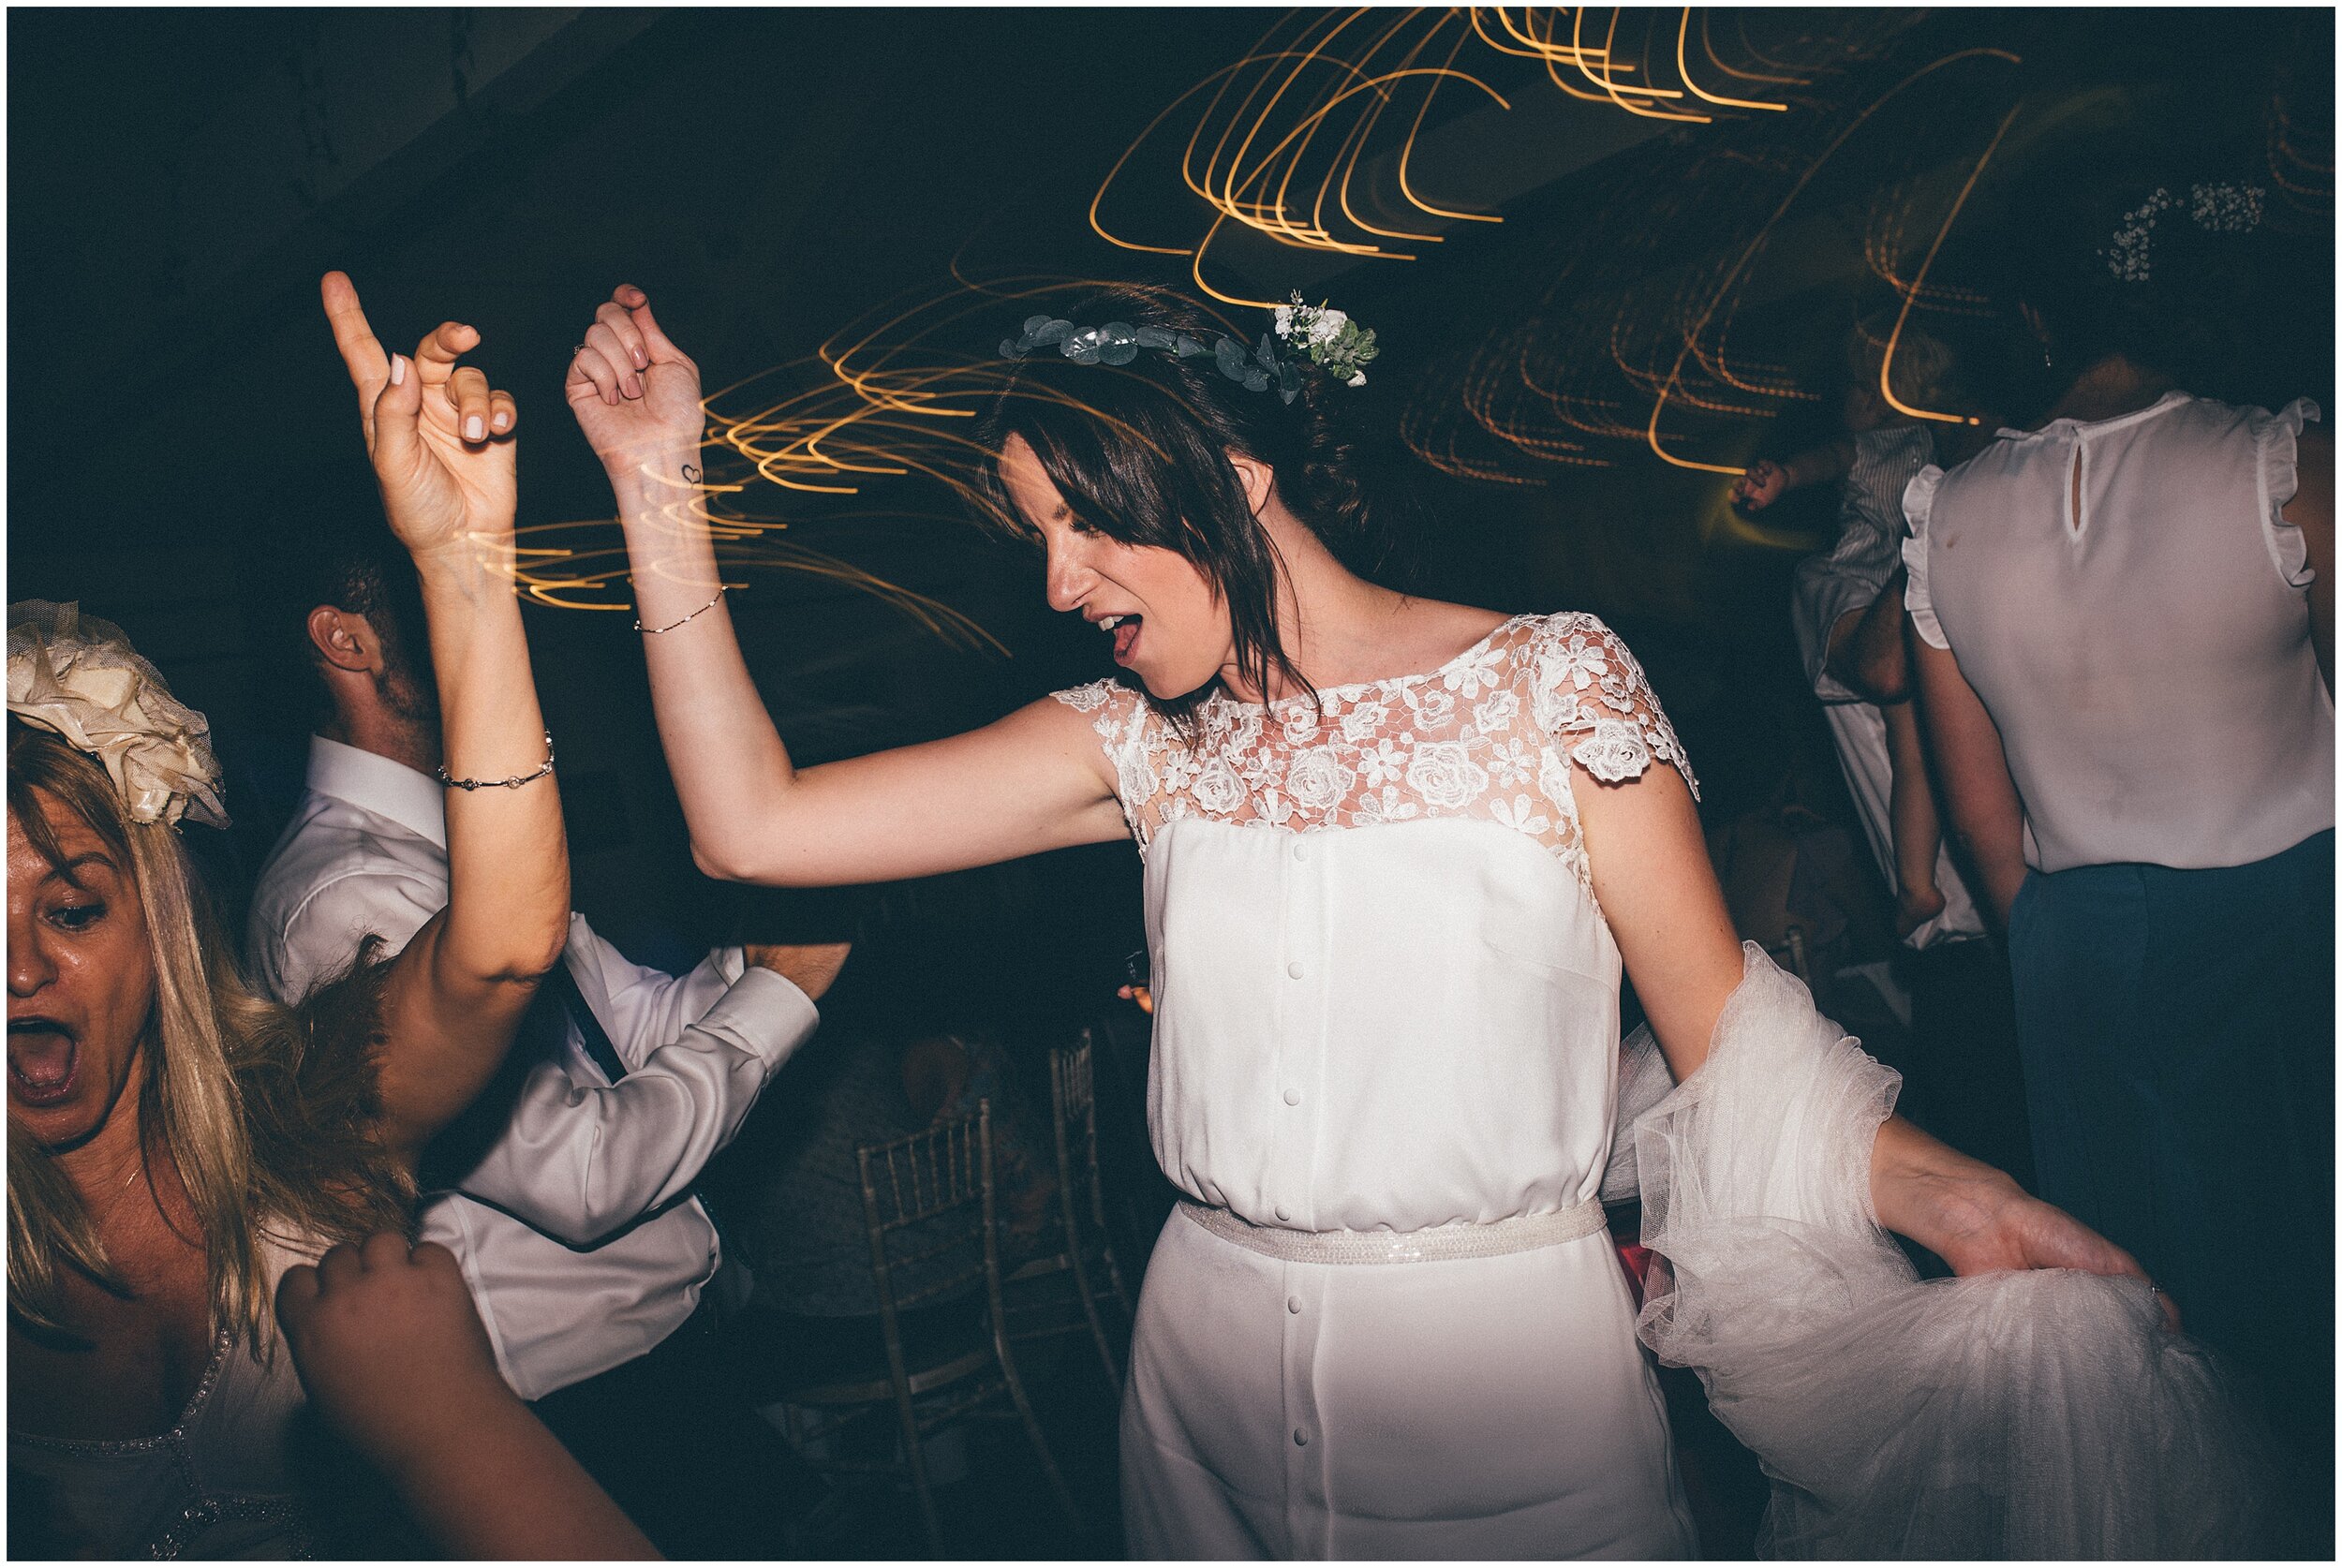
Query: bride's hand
<point x="635" y="394"/>
<point x="1987" y="1223"/>
<point x="440" y="438"/>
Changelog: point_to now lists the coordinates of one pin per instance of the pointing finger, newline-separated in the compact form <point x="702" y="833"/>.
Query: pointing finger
<point x="503" y="413"/>
<point x="362" y="351"/>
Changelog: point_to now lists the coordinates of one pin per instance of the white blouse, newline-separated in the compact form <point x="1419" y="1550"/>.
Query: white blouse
<point x="2131" y="605"/>
<point x="1384" y="995"/>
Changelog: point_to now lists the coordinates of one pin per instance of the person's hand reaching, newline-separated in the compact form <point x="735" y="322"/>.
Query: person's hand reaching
<point x="1764" y="483"/>
<point x="439" y="436"/>
<point x="635" y="394"/>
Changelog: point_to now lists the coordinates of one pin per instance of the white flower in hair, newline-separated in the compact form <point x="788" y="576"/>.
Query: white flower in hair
<point x="79" y="679"/>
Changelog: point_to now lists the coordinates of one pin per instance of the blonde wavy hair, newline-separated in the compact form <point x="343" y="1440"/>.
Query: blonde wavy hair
<point x="265" y="1112"/>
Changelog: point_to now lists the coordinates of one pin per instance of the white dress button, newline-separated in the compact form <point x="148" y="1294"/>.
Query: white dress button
<point x="1294" y="969"/>
<point x="1300" y="1438"/>
<point x="1292" y="1097"/>
<point x="1293" y="1304"/>
<point x="1300" y="852"/>
<point x="1283" y="1213"/>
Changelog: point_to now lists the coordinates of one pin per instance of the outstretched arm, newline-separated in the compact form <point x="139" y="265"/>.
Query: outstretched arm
<point x="441" y="444"/>
<point x="1656" y="889"/>
<point x="1030" y="782"/>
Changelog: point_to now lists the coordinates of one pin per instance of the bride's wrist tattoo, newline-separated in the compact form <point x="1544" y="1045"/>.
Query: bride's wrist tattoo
<point x="691" y="473"/>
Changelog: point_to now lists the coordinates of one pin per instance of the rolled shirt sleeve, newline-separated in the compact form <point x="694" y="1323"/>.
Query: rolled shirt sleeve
<point x="579" y="1161"/>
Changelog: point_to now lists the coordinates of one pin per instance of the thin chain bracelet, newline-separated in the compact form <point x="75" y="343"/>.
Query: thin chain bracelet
<point x="655" y="630"/>
<point x="512" y="783"/>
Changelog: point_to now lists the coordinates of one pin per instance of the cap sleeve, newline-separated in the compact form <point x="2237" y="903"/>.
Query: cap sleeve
<point x="1919" y="506"/>
<point x="2277" y="436"/>
<point x="1121" y="718"/>
<point x="1591" y="696"/>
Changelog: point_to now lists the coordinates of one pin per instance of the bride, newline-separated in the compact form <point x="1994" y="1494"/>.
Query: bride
<point x="1396" y="854"/>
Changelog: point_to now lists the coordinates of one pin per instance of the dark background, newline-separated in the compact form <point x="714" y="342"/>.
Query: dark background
<point x="180" y="178"/>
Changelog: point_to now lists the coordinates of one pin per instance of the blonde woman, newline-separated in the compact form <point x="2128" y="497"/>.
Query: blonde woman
<point x="174" y="1143"/>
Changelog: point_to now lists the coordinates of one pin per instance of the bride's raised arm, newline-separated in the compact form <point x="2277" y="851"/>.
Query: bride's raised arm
<point x="1034" y="781"/>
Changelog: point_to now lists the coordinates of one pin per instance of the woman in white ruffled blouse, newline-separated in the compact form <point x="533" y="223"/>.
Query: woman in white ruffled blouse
<point x="1395" y="852"/>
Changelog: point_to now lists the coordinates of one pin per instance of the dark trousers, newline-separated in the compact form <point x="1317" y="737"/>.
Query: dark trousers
<point x="670" y="1435"/>
<point x="2177" y="1030"/>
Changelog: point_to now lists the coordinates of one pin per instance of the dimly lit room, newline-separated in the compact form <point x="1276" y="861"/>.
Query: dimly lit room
<point x="1686" y="909"/>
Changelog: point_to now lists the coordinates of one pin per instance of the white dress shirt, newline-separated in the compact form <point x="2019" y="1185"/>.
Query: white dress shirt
<point x="570" y="1276"/>
<point x="1837" y="583"/>
<point x="2131" y="606"/>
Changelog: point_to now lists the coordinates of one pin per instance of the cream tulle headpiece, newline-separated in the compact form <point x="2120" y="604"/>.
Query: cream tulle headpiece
<point x="80" y="677"/>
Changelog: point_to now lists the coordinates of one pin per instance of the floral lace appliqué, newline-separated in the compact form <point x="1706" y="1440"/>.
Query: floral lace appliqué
<point x="1488" y="735"/>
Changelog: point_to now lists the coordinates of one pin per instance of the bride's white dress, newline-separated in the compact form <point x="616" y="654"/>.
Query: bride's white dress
<point x="1386" y="1001"/>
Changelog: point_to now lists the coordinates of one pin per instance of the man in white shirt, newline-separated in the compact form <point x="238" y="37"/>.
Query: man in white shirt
<point x="573" y="1214"/>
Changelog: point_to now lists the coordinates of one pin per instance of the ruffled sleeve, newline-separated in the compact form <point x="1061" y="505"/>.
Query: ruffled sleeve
<point x="1121" y="716"/>
<point x="2278" y="438"/>
<point x="1919" y="505"/>
<point x="1591" y="696"/>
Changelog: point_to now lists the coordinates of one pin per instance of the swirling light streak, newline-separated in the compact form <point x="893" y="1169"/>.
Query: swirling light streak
<point x="1887" y="360"/>
<point x="1756" y="246"/>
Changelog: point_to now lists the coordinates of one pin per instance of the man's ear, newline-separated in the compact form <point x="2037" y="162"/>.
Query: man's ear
<point x="344" y="640"/>
<point x="1258" y="479"/>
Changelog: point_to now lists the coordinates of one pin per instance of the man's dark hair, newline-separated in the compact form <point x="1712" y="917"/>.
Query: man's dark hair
<point x="334" y="548"/>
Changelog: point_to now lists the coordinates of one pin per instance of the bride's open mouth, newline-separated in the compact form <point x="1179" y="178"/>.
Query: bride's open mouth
<point x="1125" y="633"/>
<point x="44" y="1061"/>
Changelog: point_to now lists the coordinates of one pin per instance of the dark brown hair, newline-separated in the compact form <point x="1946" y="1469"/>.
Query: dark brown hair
<point x="1140" y="452"/>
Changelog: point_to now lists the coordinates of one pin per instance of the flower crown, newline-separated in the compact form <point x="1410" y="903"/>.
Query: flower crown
<point x="2226" y="208"/>
<point x="1333" y="342"/>
<point x="79" y="679"/>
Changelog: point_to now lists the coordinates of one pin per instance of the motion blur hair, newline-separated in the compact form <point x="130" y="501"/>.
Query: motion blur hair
<point x="264" y="1111"/>
<point x="1141" y="453"/>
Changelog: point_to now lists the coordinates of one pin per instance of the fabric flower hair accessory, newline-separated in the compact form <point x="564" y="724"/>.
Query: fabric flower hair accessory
<point x="1334" y="343"/>
<point x="2224" y="208"/>
<point x="79" y="679"/>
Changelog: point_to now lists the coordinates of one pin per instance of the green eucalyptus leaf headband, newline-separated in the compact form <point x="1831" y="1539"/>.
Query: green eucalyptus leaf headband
<point x="1329" y="338"/>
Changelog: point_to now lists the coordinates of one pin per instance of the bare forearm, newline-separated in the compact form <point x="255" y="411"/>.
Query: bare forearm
<point x="1923" y="1189"/>
<point x="501" y="1487"/>
<point x="729" y="762"/>
<point x="508" y="863"/>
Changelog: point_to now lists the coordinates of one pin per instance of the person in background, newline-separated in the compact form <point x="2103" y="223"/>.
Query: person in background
<point x="568" y="1191"/>
<point x="176" y="1142"/>
<point x="1847" y="610"/>
<point x="391" y="1350"/>
<point x="2124" y="630"/>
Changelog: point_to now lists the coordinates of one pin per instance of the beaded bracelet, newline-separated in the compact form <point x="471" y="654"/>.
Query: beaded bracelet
<point x="655" y="630"/>
<point x="512" y="783"/>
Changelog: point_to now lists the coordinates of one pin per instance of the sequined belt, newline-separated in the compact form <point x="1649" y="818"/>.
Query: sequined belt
<point x="1522" y="1234"/>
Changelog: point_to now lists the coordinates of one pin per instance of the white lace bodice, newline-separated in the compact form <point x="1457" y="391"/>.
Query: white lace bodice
<point x="1489" y="736"/>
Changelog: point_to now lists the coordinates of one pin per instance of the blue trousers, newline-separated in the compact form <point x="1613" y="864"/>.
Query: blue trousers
<point x="2177" y="1032"/>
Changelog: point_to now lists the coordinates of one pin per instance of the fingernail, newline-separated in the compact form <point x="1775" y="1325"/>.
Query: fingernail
<point x="473" y="429"/>
<point x="398" y="369"/>
<point x="503" y="420"/>
<point x="633" y="386"/>
<point x="642" y="361"/>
